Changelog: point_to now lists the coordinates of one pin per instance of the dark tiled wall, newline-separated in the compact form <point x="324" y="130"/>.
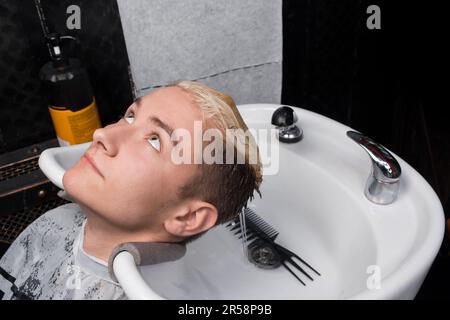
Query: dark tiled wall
<point x="24" y="118"/>
<point x="376" y="81"/>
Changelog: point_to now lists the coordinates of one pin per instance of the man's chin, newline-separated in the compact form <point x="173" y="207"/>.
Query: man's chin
<point x="76" y="185"/>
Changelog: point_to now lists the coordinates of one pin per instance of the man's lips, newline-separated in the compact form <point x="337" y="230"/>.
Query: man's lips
<point x="88" y="159"/>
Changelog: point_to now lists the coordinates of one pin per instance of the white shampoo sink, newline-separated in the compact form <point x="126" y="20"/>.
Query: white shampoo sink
<point x="316" y="201"/>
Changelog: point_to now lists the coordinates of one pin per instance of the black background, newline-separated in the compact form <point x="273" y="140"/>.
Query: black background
<point x="380" y="82"/>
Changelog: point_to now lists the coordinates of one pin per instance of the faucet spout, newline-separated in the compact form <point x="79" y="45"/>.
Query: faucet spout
<point x="383" y="183"/>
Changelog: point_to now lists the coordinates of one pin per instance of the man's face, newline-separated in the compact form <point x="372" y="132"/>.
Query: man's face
<point x="136" y="182"/>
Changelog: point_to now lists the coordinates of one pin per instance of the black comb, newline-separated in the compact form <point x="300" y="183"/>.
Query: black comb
<point x="257" y="229"/>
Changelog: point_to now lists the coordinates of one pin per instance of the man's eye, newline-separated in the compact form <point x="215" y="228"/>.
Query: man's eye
<point x="129" y="117"/>
<point x="154" y="138"/>
<point x="154" y="141"/>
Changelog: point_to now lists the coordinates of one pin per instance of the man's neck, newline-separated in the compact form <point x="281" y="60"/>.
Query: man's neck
<point x="100" y="237"/>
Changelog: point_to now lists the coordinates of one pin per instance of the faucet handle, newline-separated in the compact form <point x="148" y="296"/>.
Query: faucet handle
<point x="284" y="117"/>
<point x="383" y="183"/>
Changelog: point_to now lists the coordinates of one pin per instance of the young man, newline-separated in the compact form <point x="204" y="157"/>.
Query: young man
<point x="130" y="186"/>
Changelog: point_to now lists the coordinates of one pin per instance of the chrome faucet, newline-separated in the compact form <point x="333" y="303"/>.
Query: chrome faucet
<point x="383" y="183"/>
<point x="285" y="119"/>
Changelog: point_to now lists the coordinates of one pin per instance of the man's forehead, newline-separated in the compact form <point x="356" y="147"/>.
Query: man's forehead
<point x="166" y="98"/>
<point x="171" y="104"/>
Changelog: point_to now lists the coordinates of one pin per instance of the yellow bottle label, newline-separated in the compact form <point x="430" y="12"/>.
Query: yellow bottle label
<point x="75" y="127"/>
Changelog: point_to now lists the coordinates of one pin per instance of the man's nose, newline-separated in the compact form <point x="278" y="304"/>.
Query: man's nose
<point x="108" y="139"/>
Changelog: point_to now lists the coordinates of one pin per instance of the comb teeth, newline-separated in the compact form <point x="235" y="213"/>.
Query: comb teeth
<point x="259" y="225"/>
<point x="256" y="227"/>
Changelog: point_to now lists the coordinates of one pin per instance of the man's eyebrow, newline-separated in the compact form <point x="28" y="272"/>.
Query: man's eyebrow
<point x="157" y="121"/>
<point x="163" y="125"/>
<point x="138" y="102"/>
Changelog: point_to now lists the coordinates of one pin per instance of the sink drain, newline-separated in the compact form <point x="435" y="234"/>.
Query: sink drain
<point x="263" y="255"/>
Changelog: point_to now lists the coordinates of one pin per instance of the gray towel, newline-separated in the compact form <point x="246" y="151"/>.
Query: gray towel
<point x="234" y="46"/>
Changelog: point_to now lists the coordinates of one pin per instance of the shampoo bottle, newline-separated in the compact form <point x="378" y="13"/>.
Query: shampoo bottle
<point x="70" y="97"/>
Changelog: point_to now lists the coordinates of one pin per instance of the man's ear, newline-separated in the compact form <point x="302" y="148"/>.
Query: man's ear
<point x="194" y="217"/>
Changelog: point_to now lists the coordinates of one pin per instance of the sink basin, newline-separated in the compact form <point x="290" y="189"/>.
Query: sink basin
<point x="313" y="194"/>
